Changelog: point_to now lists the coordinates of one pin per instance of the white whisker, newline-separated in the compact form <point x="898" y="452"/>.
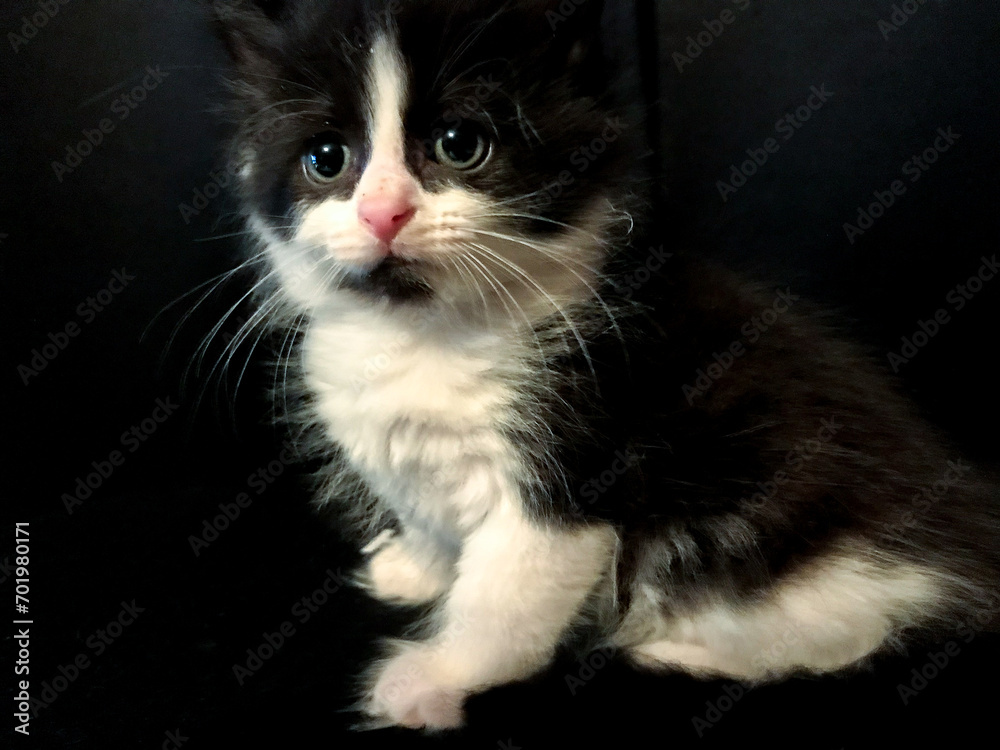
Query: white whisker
<point x="521" y="274"/>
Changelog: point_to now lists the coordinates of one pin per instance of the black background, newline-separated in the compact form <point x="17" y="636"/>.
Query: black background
<point x="173" y="668"/>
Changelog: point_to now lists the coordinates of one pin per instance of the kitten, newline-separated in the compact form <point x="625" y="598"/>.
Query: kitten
<point x="539" y="416"/>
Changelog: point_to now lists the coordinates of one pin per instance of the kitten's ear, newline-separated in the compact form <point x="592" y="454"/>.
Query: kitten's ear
<point x="248" y="28"/>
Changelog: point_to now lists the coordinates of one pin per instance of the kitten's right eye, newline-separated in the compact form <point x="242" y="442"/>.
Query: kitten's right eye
<point x="326" y="157"/>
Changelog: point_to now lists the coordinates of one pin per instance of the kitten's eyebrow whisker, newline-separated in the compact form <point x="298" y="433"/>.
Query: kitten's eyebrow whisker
<point x="455" y="88"/>
<point x="465" y="45"/>
<point x="271" y="123"/>
<point x="250" y="126"/>
<point x="310" y="89"/>
<point x="256" y="123"/>
<point x="282" y="103"/>
<point x="524" y="121"/>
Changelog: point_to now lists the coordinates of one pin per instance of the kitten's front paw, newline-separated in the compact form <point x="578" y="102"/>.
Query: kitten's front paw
<point x="407" y="692"/>
<point x="393" y="575"/>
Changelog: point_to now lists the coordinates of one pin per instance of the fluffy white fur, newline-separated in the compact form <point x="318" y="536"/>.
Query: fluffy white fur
<point x="479" y="271"/>
<point x="821" y="619"/>
<point x="419" y="403"/>
<point x="517" y="588"/>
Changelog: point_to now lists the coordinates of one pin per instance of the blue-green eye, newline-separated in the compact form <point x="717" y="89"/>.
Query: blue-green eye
<point x="326" y="157"/>
<point x="462" y="147"/>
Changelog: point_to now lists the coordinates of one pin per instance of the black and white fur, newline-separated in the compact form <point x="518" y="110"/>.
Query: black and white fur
<point x="466" y="390"/>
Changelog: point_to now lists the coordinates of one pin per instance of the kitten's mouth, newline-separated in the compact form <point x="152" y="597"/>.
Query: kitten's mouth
<point x="393" y="278"/>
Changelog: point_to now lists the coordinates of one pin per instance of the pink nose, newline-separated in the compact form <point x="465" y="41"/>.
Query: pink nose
<point x="386" y="215"/>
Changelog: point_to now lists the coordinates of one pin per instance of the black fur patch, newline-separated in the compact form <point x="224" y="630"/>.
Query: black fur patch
<point x="392" y="279"/>
<point x="543" y="99"/>
<point x="708" y="484"/>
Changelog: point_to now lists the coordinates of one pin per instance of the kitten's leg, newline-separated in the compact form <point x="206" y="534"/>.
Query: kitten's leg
<point x="518" y="588"/>
<point x="407" y="568"/>
<point x="830" y="615"/>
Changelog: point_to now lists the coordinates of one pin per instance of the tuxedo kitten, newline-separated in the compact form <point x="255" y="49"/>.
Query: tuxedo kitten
<point x="542" y="420"/>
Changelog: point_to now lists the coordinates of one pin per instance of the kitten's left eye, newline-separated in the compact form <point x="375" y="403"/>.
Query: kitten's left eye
<point x="463" y="147"/>
<point x="326" y="157"/>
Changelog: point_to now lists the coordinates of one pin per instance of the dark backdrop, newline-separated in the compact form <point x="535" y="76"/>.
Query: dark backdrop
<point x="65" y="234"/>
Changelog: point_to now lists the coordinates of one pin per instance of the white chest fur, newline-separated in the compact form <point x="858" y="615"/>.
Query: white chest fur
<point x="419" y="413"/>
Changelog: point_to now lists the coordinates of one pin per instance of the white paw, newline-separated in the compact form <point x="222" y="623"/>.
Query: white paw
<point x="409" y="692"/>
<point x="393" y="575"/>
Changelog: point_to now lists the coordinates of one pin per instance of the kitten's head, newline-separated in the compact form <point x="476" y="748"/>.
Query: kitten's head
<point x="397" y="152"/>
